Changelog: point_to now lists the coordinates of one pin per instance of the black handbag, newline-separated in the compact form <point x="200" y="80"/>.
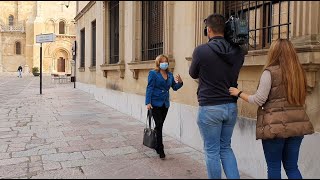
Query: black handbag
<point x="149" y="135"/>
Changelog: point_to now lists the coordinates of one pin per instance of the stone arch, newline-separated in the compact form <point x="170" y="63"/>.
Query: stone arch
<point x="17" y="48"/>
<point x="50" y="26"/>
<point x="64" y="20"/>
<point x="61" y="50"/>
<point x="62" y="26"/>
<point x="51" y="48"/>
<point x="61" y="61"/>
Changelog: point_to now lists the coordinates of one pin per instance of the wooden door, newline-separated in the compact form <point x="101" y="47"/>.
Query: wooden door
<point x="61" y="65"/>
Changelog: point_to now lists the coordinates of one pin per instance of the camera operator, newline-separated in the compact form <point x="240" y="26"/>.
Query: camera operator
<point x="217" y="65"/>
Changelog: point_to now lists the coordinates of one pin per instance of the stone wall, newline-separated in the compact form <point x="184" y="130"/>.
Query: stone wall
<point x="11" y="60"/>
<point x="131" y="76"/>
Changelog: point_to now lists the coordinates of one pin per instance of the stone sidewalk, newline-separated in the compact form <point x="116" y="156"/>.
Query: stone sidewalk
<point x="65" y="133"/>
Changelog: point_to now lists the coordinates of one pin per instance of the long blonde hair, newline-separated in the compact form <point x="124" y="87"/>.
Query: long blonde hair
<point x="157" y="61"/>
<point x="283" y="53"/>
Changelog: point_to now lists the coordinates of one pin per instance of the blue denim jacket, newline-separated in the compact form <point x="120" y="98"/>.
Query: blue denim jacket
<point x="157" y="92"/>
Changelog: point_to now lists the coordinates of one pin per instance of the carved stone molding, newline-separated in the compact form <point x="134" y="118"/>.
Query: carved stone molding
<point x="307" y="40"/>
<point x="311" y="73"/>
<point x="92" y="68"/>
<point x="81" y="69"/>
<point x="113" y="67"/>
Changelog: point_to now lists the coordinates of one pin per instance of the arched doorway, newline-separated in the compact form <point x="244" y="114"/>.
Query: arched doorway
<point x="60" y="62"/>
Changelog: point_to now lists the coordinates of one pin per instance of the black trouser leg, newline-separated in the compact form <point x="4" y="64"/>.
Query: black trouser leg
<point x="159" y="115"/>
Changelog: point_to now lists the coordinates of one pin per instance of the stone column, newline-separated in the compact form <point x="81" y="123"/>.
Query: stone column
<point x="168" y="28"/>
<point x="203" y="10"/>
<point x="102" y="17"/>
<point x="137" y="30"/>
<point x="121" y="31"/>
<point x="1" y="68"/>
<point x="306" y="38"/>
<point x="305" y="22"/>
<point x="106" y="33"/>
<point x="38" y="27"/>
<point x="72" y="67"/>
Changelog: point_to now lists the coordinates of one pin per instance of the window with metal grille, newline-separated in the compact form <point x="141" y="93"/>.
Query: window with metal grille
<point x="18" y="48"/>
<point x="152" y="29"/>
<point x="82" y="48"/>
<point x="93" y="43"/>
<point x="61" y="27"/>
<point x="114" y="31"/>
<point x="11" y="18"/>
<point x="267" y="20"/>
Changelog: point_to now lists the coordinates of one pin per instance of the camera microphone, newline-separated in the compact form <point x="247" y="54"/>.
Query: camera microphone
<point x="205" y="31"/>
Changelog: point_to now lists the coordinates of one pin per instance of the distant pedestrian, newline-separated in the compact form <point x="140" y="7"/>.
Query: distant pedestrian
<point x="20" y="71"/>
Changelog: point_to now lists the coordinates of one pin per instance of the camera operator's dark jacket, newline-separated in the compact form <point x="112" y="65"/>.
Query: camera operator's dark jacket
<point x="217" y="68"/>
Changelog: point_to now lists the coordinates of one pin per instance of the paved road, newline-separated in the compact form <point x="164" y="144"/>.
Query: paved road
<point x="65" y="133"/>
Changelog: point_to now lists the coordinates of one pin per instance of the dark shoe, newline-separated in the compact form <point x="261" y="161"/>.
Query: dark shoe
<point x="162" y="155"/>
<point x="158" y="152"/>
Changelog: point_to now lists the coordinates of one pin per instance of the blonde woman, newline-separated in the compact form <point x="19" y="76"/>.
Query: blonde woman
<point x="157" y="96"/>
<point x="281" y="120"/>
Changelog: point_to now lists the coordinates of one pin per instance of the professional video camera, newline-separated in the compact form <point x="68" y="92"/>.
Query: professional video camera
<point x="236" y="32"/>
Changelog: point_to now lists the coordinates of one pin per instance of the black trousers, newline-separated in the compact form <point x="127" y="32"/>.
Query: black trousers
<point x="159" y="115"/>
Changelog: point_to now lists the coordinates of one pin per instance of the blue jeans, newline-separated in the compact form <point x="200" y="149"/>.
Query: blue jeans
<point x="216" y="125"/>
<point x="285" y="150"/>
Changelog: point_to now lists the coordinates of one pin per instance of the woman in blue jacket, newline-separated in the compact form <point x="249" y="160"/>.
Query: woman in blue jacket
<point x="157" y="96"/>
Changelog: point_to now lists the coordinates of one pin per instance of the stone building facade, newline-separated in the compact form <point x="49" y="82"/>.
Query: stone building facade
<point x="118" y="40"/>
<point x="21" y="21"/>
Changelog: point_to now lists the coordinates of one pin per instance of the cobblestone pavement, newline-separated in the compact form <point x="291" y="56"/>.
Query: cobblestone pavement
<point x="65" y="133"/>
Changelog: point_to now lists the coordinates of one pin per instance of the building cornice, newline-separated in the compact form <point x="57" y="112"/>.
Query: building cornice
<point x="65" y="36"/>
<point x="84" y="10"/>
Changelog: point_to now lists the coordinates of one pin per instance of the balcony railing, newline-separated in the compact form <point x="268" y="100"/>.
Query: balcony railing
<point x="14" y="28"/>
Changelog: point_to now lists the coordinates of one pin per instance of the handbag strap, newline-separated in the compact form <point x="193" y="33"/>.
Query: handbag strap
<point x="149" y="117"/>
